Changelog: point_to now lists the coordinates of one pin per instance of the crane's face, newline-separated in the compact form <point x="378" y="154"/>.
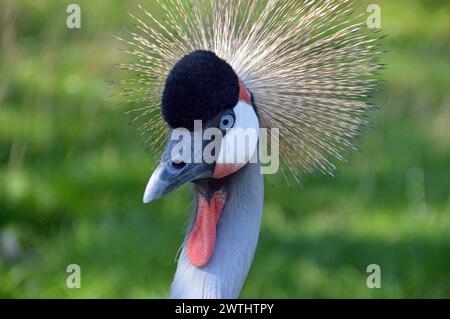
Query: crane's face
<point x="213" y="134"/>
<point x="227" y="143"/>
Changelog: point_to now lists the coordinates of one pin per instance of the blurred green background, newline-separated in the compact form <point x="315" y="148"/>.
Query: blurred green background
<point x="72" y="172"/>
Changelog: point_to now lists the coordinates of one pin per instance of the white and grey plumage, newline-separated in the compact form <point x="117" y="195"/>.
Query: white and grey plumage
<point x="310" y="67"/>
<point x="238" y="231"/>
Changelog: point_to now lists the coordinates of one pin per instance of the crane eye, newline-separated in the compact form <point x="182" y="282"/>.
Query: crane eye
<point x="226" y="122"/>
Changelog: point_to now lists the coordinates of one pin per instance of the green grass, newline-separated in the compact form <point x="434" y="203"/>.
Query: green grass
<point x="72" y="173"/>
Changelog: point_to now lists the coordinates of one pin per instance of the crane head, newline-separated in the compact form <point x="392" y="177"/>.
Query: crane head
<point x="210" y="113"/>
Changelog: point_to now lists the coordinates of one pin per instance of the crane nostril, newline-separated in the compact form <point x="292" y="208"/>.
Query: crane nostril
<point x="178" y="165"/>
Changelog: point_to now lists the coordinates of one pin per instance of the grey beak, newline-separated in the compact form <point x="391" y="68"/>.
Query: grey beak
<point x="156" y="187"/>
<point x="169" y="176"/>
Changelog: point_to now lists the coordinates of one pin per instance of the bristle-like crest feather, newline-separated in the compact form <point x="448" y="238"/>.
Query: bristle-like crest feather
<point x="310" y="66"/>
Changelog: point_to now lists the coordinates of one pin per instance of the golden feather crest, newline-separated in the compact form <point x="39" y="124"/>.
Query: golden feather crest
<point x="311" y="66"/>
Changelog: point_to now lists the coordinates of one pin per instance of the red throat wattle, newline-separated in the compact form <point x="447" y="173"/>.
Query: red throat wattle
<point x="202" y="239"/>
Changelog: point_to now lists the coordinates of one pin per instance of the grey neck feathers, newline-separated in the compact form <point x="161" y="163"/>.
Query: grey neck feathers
<point x="237" y="237"/>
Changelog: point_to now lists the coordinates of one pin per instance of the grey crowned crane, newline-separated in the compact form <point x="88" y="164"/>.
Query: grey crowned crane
<point x="303" y="67"/>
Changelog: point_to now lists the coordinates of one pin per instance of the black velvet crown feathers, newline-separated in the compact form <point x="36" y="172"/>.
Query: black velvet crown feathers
<point x="199" y="87"/>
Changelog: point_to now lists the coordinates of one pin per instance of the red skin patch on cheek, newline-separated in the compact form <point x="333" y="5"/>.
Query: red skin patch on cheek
<point x="202" y="239"/>
<point x="244" y="94"/>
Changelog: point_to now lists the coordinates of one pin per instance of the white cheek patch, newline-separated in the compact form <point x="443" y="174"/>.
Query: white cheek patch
<point x="240" y="143"/>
